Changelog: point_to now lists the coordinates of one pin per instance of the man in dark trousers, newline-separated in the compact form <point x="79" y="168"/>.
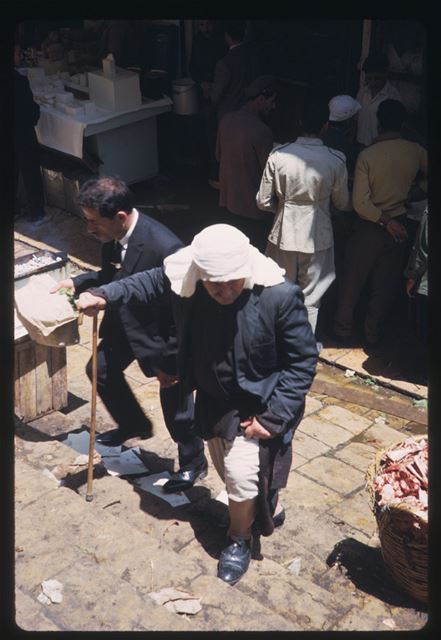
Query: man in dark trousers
<point x="134" y="242"/>
<point x="26" y="149"/>
<point x="246" y="346"/>
<point x="377" y="250"/>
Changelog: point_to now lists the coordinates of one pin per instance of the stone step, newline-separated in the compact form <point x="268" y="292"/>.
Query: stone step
<point x="108" y="566"/>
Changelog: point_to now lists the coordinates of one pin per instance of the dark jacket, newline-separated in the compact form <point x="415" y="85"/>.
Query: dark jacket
<point x="26" y="111"/>
<point x="205" y="53"/>
<point x="274" y="348"/>
<point x="233" y="73"/>
<point x="149" y="328"/>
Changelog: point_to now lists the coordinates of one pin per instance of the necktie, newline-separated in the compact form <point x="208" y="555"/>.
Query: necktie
<point x="116" y="254"/>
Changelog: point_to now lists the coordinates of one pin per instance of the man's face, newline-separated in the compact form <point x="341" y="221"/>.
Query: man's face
<point x="267" y="104"/>
<point x="375" y="81"/>
<point x="105" y="229"/>
<point x="224" y="292"/>
<point x="205" y="27"/>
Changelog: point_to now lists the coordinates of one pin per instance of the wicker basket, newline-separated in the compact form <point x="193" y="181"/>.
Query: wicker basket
<point x="403" y="533"/>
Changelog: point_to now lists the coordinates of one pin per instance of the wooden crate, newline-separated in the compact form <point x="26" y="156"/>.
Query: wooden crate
<point x="40" y="379"/>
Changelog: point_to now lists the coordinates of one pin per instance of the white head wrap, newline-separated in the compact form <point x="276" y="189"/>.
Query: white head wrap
<point x="342" y="108"/>
<point x="220" y="253"/>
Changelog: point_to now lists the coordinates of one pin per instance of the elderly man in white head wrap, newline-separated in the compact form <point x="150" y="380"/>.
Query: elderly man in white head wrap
<point x="246" y="346"/>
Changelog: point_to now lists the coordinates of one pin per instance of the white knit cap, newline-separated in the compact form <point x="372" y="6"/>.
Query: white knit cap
<point x="342" y="108"/>
<point x="220" y="253"/>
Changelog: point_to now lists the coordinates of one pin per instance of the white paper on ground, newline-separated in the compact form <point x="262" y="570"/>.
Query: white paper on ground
<point x="51" y="476"/>
<point x="222" y="497"/>
<point x="53" y="589"/>
<point x="127" y="463"/>
<point x="154" y="483"/>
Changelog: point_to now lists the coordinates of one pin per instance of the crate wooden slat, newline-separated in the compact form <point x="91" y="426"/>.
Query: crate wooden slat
<point x="40" y="379"/>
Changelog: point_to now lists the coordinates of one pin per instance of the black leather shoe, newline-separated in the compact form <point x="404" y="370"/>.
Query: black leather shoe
<point x="116" y="437"/>
<point x="234" y="561"/>
<point x="279" y="519"/>
<point x="182" y="480"/>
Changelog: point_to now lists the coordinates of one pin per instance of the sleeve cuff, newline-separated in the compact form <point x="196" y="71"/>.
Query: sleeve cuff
<point x="274" y="424"/>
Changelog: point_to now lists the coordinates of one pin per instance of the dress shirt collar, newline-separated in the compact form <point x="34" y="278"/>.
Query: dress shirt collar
<point x="125" y="240"/>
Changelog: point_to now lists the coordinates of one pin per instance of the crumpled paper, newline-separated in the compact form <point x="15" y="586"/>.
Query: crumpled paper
<point x="177" y="601"/>
<point x="52" y="589"/>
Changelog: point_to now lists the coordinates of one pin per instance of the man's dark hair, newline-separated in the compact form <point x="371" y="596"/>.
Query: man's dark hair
<point x="106" y="195"/>
<point x="315" y="115"/>
<point x="391" y="115"/>
<point x="376" y="62"/>
<point x="235" y="29"/>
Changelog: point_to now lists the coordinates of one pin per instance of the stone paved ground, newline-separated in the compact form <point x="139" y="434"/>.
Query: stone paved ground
<point x="111" y="552"/>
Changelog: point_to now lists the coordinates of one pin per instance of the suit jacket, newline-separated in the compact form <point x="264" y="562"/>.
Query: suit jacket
<point x="27" y="113"/>
<point x="274" y="348"/>
<point x="148" y="328"/>
<point x="232" y="74"/>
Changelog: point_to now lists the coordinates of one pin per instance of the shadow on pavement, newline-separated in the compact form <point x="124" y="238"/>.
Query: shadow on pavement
<point x="364" y="566"/>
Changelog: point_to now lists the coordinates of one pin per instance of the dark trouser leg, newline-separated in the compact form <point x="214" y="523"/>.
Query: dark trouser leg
<point x="361" y="252"/>
<point x="179" y="422"/>
<point x="384" y="286"/>
<point x="256" y="230"/>
<point x="114" y="390"/>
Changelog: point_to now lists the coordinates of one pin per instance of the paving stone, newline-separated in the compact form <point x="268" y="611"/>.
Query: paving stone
<point x="350" y="406"/>
<point x="309" y="494"/>
<point x="29" y="615"/>
<point x="359" y="621"/>
<point x="327" y="432"/>
<point x="297" y="459"/>
<point x="30" y="485"/>
<point x="312" y="405"/>
<point x="391" y="421"/>
<point x="280" y="549"/>
<point x="381" y="436"/>
<point x="118" y="607"/>
<point x="330" y="354"/>
<point x="344" y="418"/>
<point x="244" y="613"/>
<point x="307" y="446"/>
<point x="294" y="598"/>
<point x="49" y="453"/>
<point x="43" y="562"/>
<point x="357" y="454"/>
<point x="356" y="512"/>
<point x="135" y="373"/>
<point x="333" y="473"/>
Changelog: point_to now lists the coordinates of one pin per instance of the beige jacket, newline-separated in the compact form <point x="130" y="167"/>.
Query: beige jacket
<point x="298" y="183"/>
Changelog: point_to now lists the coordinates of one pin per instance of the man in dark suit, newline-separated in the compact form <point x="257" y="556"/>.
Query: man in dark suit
<point x="246" y="346"/>
<point x="134" y="242"/>
<point x="243" y="63"/>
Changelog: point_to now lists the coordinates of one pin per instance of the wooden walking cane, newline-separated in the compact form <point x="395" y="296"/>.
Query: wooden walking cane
<point x="89" y="495"/>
